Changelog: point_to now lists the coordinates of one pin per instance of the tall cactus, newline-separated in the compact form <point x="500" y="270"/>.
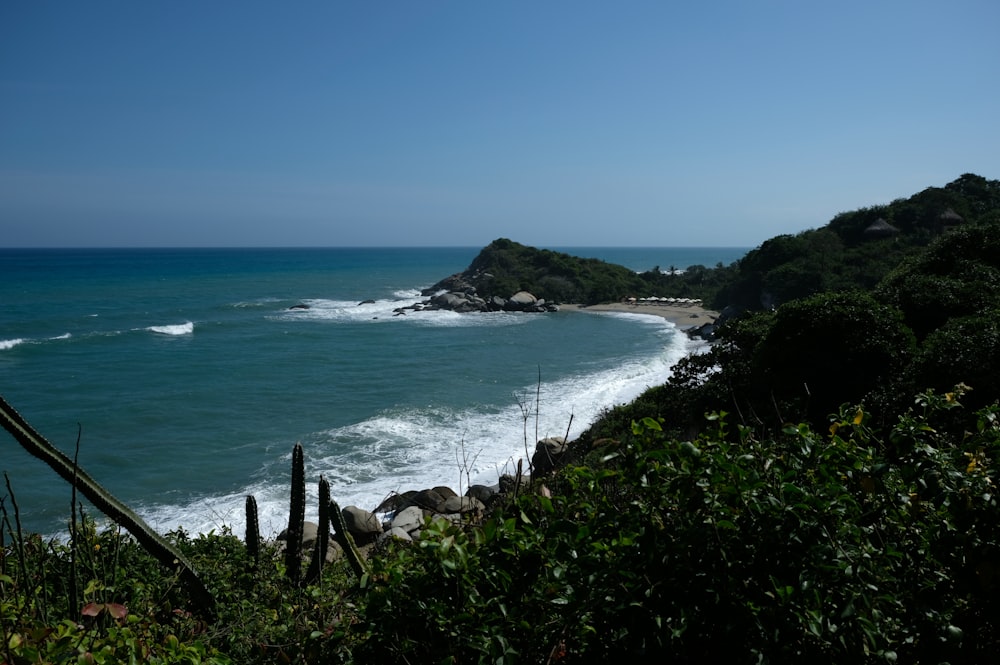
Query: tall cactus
<point x="344" y="538"/>
<point x="253" y="530"/>
<point x="296" y="517"/>
<point x="322" y="535"/>
<point x="164" y="552"/>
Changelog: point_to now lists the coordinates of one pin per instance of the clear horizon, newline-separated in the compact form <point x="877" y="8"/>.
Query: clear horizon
<point x="449" y="124"/>
<point x="248" y="247"/>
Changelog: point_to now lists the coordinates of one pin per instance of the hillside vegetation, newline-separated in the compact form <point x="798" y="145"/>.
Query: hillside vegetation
<point x="819" y="486"/>
<point x="505" y="267"/>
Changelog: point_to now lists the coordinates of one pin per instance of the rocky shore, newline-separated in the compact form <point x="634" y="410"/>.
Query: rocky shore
<point x="405" y="515"/>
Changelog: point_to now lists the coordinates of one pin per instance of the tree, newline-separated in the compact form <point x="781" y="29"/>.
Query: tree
<point x="829" y="349"/>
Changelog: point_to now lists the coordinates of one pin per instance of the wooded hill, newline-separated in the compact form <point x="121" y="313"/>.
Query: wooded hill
<point x="857" y="250"/>
<point x="877" y="305"/>
<point x="505" y="267"/>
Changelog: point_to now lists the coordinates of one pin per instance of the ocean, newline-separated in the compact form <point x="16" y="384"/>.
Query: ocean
<point x="188" y="379"/>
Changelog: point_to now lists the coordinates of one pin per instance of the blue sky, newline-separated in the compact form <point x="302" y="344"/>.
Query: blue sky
<point x="553" y="123"/>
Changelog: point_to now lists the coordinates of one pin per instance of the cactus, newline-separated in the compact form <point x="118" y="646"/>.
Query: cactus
<point x="168" y="555"/>
<point x="253" y="530"/>
<point x="323" y="534"/>
<point x="296" y="517"/>
<point x="346" y="542"/>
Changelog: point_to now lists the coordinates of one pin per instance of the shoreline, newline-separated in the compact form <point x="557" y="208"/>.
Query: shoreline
<point x="682" y="316"/>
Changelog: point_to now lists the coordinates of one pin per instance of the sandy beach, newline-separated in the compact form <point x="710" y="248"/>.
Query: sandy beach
<point x="683" y="316"/>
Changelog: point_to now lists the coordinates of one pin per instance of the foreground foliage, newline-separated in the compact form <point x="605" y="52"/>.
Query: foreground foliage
<point x="833" y="546"/>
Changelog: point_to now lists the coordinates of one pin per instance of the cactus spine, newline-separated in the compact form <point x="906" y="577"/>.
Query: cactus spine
<point x="296" y="517"/>
<point x="323" y="534"/>
<point x="168" y="555"/>
<point x="253" y="530"/>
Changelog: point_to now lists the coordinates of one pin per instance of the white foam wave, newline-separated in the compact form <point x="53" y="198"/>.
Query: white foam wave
<point x="418" y="448"/>
<point x="177" y="329"/>
<point x="397" y="310"/>
<point x="63" y="336"/>
<point x="248" y="304"/>
<point x="6" y="344"/>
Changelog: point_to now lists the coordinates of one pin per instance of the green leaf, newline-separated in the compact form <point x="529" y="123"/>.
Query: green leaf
<point x="652" y="424"/>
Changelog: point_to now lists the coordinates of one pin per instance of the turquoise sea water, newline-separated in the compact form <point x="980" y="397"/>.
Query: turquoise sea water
<point x="190" y="379"/>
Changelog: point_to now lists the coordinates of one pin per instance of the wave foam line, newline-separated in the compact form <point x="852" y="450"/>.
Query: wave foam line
<point x="178" y="329"/>
<point x="413" y="449"/>
<point x="6" y="344"/>
<point x="386" y="310"/>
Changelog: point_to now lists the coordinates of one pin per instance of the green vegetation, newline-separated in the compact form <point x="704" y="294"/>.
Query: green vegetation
<point x="844" y="255"/>
<point x="819" y="486"/>
<point x="726" y="547"/>
<point x="505" y="267"/>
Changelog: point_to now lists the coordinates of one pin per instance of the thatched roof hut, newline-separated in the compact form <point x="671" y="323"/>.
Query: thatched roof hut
<point x="948" y="219"/>
<point x="880" y="229"/>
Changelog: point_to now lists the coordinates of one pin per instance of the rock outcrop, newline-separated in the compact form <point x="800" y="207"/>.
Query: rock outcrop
<point x="466" y="300"/>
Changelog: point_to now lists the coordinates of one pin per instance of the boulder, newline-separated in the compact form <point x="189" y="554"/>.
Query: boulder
<point x="507" y="483"/>
<point x="310" y="533"/>
<point x="458" y="302"/>
<point x="397" y="533"/>
<point x="483" y="493"/>
<point x="705" y="331"/>
<point x="456" y="282"/>
<point x="520" y="301"/>
<point x="449" y="300"/>
<point x="395" y="501"/>
<point x="361" y="524"/>
<point x="445" y="492"/>
<point x="547" y="453"/>
<point x="428" y="500"/>
<point x="462" y="505"/>
<point x="333" y="551"/>
<point x="409" y="519"/>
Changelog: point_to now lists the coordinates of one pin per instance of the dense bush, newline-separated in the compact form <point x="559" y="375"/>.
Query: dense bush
<point x="828" y="348"/>
<point x="958" y="275"/>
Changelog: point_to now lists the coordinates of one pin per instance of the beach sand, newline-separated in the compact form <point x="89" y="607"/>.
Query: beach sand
<point x="683" y="316"/>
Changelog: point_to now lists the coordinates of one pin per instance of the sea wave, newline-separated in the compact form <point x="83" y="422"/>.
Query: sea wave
<point x="253" y="304"/>
<point x="6" y="344"/>
<point x="177" y="329"/>
<point x="396" y="310"/>
<point x="416" y="448"/>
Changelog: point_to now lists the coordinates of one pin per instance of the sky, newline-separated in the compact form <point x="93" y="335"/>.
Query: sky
<point x="437" y="123"/>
